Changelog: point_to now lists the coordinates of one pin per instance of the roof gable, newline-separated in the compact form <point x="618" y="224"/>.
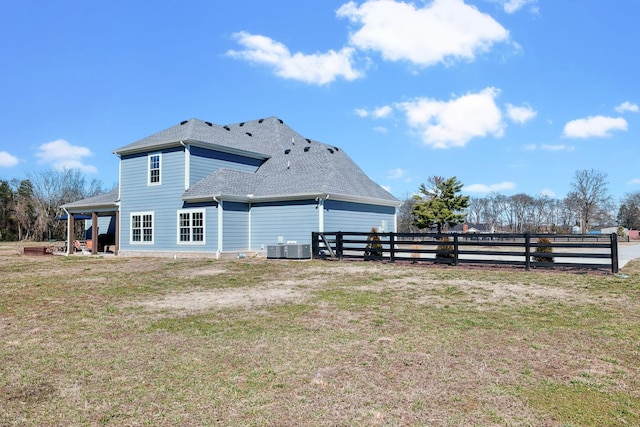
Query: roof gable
<point x="196" y="132"/>
<point x="296" y="166"/>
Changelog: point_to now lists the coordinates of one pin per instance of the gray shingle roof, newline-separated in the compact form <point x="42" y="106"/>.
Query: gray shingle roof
<point x="198" y="132"/>
<point x="296" y="166"/>
<point x="293" y="166"/>
<point x="109" y="199"/>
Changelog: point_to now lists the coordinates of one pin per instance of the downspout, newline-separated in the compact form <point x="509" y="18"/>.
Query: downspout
<point x="250" y="197"/>
<point x="220" y="216"/>
<point x="187" y="165"/>
<point x="321" y="200"/>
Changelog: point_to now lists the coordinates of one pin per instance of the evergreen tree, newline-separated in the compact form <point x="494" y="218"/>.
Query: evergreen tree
<point x="440" y="204"/>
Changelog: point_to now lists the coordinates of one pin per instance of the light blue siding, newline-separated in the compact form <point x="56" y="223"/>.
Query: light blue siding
<point x="357" y="217"/>
<point x="204" y="162"/>
<point x="293" y="221"/>
<point x="235" y="236"/>
<point x="162" y="200"/>
<point x="247" y="227"/>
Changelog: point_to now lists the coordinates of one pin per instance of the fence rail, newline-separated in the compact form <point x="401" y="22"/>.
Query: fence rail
<point x="528" y="250"/>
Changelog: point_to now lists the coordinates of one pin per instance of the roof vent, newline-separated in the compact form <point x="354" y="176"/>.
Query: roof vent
<point x="287" y="151"/>
<point x="226" y="127"/>
<point x="241" y="124"/>
<point x="249" y="133"/>
<point x="336" y="148"/>
<point x="330" y="150"/>
<point x="261" y="120"/>
<point x="183" y="122"/>
<point x="306" y="149"/>
<point x="280" y="120"/>
<point x="308" y="140"/>
<point x="209" y="123"/>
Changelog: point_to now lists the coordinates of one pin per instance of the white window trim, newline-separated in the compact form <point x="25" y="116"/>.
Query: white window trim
<point x="153" y="228"/>
<point x="149" y="157"/>
<point x="204" y="227"/>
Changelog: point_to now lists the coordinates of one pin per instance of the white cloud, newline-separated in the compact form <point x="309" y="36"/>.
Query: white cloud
<point x="559" y="147"/>
<point x="7" y="160"/>
<point x="442" y="31"/>
<point x="382" y="112"/>
<point x="319" y="68"/>
<point x="381" y="129"/>
<point x="522" y="114"/>
<point x="376" y="113"/>
<point x="549" y="193"/>
<point x="62" y="155"/>
<point x="512" y="6"/>
<point x="397" y="173"/>
<point x="483" y="188"/>
<point x="361" y="112"/>
<point x="529" y="147"/>
<point x="627" y="106"/>
<point x="595" y="126"/>
<point x="444" y="124"/>
<point x="635" y="181"/>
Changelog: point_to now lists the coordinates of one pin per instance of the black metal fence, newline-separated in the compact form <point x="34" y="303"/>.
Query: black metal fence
<point x="528" y="250"/>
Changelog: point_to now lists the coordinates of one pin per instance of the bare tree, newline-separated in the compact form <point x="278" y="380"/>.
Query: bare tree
<point x="53" y="188"/>
<point x="405" y="216"/>
<point x="590" y="197"/>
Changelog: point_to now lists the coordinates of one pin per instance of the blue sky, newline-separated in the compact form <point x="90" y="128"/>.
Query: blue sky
<point x="510" y="96"/>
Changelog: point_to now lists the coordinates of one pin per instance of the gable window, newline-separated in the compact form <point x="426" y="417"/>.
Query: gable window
<point x="191" y="226"/>
<point x="155" y="162"/>
<point x="142" y="227"/>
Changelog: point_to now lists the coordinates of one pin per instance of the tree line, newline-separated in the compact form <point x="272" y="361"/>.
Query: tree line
<point x="29" y="207"/>
<point x="588" y="206"/>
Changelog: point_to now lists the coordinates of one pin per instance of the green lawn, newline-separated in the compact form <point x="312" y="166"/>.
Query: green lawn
<point x="122" y="341"/>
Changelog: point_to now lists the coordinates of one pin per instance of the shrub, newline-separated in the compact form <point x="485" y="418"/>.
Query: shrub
<point x="546" y="251"/>
<point x="374" y="247"/>
<point x="444" y="250"/>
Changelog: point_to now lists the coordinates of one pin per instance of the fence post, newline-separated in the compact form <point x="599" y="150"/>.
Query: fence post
<point x="614" y="253"/>
<point x="315" y="246"/>
<point x="392" y="247"/>
<point x="455" y="249"/>
<point x="339" y="244"/>
<point x="527" y="251"/>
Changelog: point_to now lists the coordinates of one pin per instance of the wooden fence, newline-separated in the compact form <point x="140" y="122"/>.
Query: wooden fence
<point x="528" y="250"/>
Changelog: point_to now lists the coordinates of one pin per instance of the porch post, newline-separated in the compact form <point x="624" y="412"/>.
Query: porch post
<point x="70" y="233"/>
<point x="94" y="233"/>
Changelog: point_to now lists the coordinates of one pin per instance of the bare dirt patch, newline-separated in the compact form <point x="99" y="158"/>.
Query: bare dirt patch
<point x="190" y="302"/>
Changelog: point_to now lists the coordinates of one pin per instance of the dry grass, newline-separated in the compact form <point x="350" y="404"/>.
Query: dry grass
<point x="146" y="341"/>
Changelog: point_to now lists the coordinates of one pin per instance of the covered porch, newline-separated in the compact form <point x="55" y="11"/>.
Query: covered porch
<point x="94" y="208"/>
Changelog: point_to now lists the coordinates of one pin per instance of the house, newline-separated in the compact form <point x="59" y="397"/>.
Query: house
<point x="198" y="187"/>
<point x="472" y="228"/>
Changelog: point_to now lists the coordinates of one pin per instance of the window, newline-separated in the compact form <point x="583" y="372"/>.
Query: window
<point x="154" y="169"/>
<point x="191" y="226"/>
<point x="142" y="227"/>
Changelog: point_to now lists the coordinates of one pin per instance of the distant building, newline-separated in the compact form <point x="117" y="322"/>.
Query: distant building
<point x="472" y="228"/>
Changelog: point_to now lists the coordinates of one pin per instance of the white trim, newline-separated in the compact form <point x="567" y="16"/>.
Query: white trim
<point x="153" y="226"/>
<point x="249" y="220"/>
<point x="321" y="215"/>
<point x="149" y="157"/>
<point x="191" y="242"/>
<point x="299" y="196"/>
<point x="187" y="166"/>
<point x="220" y="228"/>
